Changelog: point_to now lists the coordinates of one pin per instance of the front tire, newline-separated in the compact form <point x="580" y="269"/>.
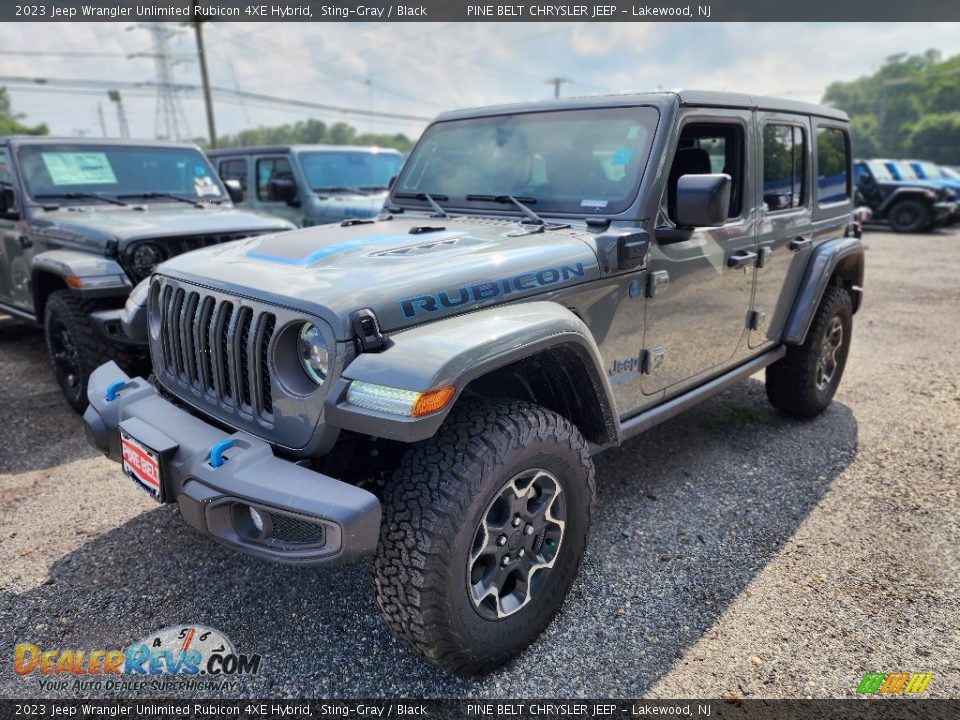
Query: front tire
<point x="485" y="525"/>
<point x="909" y="216"/>
<point x="804" y="381"/>
<point x="75" y="347"/>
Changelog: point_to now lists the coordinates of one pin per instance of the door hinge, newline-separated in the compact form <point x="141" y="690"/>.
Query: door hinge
<point x="655" y="280"/>
<point x="756" y="319"/>
<point x="652" y="360"/>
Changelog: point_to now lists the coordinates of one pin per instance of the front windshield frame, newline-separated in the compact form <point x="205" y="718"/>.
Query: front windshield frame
<point x="206" y="186"/>
<point x="303" y="156"/>
<point x="642" y="120"/>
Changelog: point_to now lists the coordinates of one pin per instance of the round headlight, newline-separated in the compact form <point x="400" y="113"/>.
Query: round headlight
<point x="145" y="258"/>
<point x="314" y="353"/>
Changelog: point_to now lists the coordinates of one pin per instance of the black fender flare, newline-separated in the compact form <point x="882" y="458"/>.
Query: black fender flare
<point x="839" y="258"/>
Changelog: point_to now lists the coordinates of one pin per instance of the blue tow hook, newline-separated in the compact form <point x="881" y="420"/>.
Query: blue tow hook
<point x="113" y="390"/>
<point x="216" y="452"/>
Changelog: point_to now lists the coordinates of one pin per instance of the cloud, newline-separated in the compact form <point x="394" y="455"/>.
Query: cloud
<point x="423" y="68"/>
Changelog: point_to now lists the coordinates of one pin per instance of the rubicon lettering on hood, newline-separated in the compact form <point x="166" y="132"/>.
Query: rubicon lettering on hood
<point x="487" y="290"/>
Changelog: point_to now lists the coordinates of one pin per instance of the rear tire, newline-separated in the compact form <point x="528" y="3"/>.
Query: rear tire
<point x="909" y="216"/>
<point x="75" y="346"/>
<point x="805" y="380"/>
<point x="460" y="545"/>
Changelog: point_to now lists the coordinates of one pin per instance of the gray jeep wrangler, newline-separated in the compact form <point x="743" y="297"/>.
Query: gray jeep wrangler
<point x="429" y="387"/>
<point x="83" y="221"/>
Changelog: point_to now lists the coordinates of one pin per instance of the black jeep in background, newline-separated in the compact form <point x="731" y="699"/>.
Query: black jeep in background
<point x="83" y="221"/>
<point x="907" y="206"/>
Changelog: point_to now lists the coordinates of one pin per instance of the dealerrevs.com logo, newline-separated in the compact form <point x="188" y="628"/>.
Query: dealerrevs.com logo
<point x="894" y="683"/>
<point x="179" y="657"/>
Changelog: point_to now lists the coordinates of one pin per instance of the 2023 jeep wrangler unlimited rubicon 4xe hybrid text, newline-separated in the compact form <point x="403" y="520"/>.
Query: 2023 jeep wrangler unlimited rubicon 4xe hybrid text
<point x="546" y="281"/>
<point x="83" y="221"/>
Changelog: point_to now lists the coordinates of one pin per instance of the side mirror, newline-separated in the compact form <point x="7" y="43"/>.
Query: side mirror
<point x="703" y="200"/>
<point x="234" y="190"/>
<point x="8" y="202"/>
<point x="390" y="182"/>
<point x="285" y="190"/>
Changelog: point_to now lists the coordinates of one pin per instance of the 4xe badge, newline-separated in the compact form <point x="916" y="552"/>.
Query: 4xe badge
<point x="182" y="657"/>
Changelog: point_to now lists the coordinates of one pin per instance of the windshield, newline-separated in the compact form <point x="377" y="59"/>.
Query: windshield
<point x="84" y="170"/>
<point x="879" y="171"/>
<point x="569" y="161"/>
<point x="904" y="171"/>
<point x="349" y="169"/>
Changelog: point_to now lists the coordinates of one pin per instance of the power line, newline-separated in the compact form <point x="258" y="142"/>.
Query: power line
<point x="219" y="91"/>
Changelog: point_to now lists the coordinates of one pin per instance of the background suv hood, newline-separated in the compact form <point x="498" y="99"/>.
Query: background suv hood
<point x="408" y="271"/>
<point x="170" y="220"/>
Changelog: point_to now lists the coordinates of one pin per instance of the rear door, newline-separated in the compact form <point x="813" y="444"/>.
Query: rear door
<point x="15" y="249"/>
<point x="785" y="237"/>
<point x="702" y="279"/>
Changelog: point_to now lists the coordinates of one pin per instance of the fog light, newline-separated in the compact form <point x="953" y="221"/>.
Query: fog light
<point x="256" y="520"/>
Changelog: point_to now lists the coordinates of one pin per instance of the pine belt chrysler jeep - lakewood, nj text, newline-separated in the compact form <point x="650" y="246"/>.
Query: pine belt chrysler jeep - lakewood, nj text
<point x="428" y="387"/>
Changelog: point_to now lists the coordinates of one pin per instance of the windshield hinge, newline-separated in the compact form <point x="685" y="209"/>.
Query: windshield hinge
<point x="366" y="327"/>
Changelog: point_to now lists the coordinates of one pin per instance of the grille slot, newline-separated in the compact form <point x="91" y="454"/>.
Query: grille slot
<point x="218" y="348"/>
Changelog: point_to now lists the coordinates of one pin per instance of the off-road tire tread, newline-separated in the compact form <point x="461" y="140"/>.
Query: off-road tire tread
<point x="922" y="224"/>
<point x="94" y="349"/>
<point x="791" y="381"/>
<point x="429" y="490"/>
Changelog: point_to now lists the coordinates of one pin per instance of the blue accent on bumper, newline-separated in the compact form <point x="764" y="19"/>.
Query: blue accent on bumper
<point x="114" y="389"/>
<point x="216" y="452"/>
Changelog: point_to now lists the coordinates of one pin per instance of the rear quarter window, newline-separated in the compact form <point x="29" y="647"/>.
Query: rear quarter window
<point x="833" y="165"/>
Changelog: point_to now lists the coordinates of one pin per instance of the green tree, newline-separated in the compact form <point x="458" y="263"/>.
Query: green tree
<point x="888" y="108"/>
<point x="314" y="132"/>
<point x="10" y="121"/>
<point x="936" y="138"/>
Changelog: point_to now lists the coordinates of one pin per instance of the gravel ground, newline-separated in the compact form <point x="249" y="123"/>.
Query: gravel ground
<point x="734" y="551"/>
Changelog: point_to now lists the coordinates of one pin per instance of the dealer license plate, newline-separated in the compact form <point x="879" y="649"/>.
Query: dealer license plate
<point x="142" y="465"/>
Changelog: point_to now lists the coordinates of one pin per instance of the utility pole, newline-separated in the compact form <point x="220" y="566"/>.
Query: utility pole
<point x="171" y="122"/>
<point x="205" y="77"/>
<point x="115" y="97"/>
<point x="557" y="82"/>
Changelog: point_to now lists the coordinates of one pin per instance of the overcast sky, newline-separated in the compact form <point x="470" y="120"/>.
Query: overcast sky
<point x="423" y="68"/>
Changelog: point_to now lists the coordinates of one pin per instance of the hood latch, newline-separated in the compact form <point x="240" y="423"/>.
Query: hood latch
<point x="366" y="327"/>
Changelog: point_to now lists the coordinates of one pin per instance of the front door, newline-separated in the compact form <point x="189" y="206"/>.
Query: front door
<point x="276" y="167"/>
<point x="701" y="280"/>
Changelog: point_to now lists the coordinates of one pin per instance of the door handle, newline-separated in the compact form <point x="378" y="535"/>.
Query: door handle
<point x="800" y="242"/>
<point x="739" y="259"/>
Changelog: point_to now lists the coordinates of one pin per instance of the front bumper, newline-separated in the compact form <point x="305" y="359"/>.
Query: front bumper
<point x="945" y="212"/>
<point x="308" y="518"/>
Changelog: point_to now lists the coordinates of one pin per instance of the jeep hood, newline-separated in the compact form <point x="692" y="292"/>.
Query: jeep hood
<point x="85" y="223"/>
<point x="408" y="271"/>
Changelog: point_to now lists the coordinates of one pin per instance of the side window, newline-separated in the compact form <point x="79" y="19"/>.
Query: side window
<point x="8" y="197"/>
<point x="707" y="148"/>
<point x="784" y="153"/>
<point x="234" y="169"/>
<point x="833" y="161"/>
<point x="269" y="169"/>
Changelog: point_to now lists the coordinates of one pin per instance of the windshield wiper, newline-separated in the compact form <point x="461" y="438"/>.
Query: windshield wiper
<point x="82" y="196"/>
<point x="519" y="202"/>
<point x="150" y="195"/>
<point x="340" y="189"/>
<point x="374" y="188"/>
<point x="438" y="211"/>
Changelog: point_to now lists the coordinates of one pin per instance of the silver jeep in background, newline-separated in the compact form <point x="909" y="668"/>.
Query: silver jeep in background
<point x="309" y="184"/>
<point x="429" y="387"/>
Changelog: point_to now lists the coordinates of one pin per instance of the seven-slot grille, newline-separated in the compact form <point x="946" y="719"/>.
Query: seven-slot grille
<point x="219" y="347"/>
